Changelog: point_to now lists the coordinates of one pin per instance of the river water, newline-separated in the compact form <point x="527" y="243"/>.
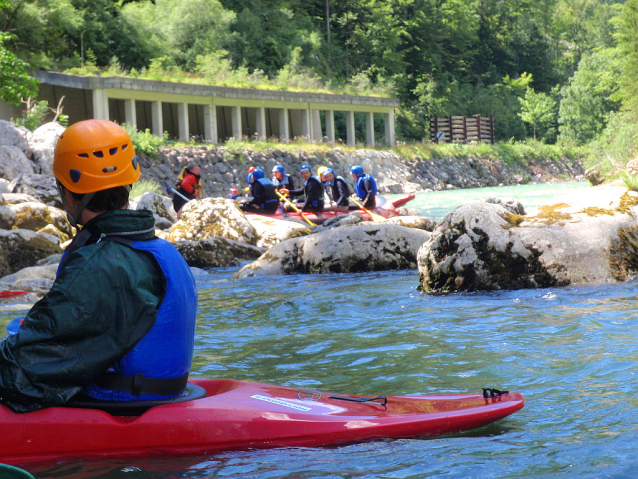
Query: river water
<point x="571" y="351"/>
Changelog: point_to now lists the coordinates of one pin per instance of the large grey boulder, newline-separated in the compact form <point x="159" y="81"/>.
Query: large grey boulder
<point x="42" y="143"/>
<point x="483" y="246"/>
<point x="23" y="248"/>
<point x="347" y="249"/>
<point x="35" y="216"/>
<point x="217" y="252"/>
<point x="36" y="280"/>
<point x="41" y="187"/>
<point x="13" y="162"/>
<point x="7" y="217"/>
<point x="420" y="222"/>
<point x="160" y="205"/>
<point x="212" y="217"/>
<point x="11" y="135"/>
<point x="272" y="231"/>
<point x="17" y="198"/>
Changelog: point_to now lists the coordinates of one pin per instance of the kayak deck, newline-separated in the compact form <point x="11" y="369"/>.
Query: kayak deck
<point x="239" y="415"/>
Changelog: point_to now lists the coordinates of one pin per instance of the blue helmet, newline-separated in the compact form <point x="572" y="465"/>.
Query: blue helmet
<point x="328" y="170"/>
<point x="249" y="177"/>
<point x="258" y="173"/>
<point x="305" y="168"/>
<point x="357" y="170"/>
<point x="279" y="168"/>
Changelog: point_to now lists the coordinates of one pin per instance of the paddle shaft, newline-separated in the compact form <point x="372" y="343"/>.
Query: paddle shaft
<point x="175" y="192"/>
<point x="376" y="218"/>
<point x="294" y="208"/>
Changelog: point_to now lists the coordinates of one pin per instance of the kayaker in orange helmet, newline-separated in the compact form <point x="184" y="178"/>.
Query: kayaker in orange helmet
<point x="119" y="321"/>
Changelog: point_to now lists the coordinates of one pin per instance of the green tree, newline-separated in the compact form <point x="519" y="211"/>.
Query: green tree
<point x="537" y="110"/>
<point x="587" y="101"/>
<point x="42" y="30"/>
<point x="181" y="30"/>
<point x="15" y="81"/>
<point x="626" y="54"/>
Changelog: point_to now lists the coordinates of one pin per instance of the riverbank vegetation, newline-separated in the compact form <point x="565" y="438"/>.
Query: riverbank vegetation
<point x="559" y="72"/>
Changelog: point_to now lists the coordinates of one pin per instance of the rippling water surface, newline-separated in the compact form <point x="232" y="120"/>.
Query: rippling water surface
<point x="571" y="351"/>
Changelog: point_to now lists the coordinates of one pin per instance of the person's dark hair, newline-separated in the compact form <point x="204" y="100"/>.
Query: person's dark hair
<point x="106" y="200"/>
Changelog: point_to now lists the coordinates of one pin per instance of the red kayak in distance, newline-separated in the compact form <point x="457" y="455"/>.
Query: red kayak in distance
<point x="386" y="208"/>
<point x="11" y="294"/>
<point x="240" y="415"/>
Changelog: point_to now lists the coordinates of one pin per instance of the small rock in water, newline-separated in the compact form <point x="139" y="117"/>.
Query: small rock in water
<point x="131" y="469"/>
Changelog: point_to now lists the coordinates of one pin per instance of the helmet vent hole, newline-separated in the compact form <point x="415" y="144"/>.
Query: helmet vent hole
<point x="112" y="151"/>
<point x="83" y="155"/>
<point x="109" y="169"/>
<point x="98" y="154"/>
<point x="124" y="147"/>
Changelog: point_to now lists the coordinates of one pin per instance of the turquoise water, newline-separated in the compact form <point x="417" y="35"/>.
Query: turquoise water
<point x="571" y="351"/>
<point x="437" y="204"/>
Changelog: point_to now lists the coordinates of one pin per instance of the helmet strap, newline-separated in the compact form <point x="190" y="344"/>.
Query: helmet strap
<point x="73" y="216"/>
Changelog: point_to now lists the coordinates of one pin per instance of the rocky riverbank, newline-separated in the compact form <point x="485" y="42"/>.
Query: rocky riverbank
<point x="223" y="169"/>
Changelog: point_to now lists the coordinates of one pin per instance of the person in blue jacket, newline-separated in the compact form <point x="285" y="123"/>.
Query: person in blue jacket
<point x="312" y="190"/>
<point x="264" y="198"/>
<point x="365" y="187"/>
<point x="281" y="179"/>
<point x="337" y="189"/>
<point x="119" y="321"/>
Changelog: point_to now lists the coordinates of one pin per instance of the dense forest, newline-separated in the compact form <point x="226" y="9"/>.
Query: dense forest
<point x="556" y="70"/>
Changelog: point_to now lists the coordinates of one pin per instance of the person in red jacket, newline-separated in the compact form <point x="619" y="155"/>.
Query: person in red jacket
<point x="189" y="185"/>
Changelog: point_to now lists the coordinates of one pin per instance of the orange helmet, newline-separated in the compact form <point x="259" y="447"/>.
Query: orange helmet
<point x="95" y="155"/>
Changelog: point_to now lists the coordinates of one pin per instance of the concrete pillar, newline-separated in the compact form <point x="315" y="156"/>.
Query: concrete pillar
<point x="130" y="115"/>
<point x="182" y="122"/>
<point x="330" y="126"/>
<point x="317" y="135"/>
<point x="388" y="119"/>
<point x="235" y="113"/>
<point x="261" y="123"/>
<point x="100" y="105"/>
<point x="350" y="140"/>
<point x="157" y="120"/>
<point x="305" y="124"/>
<point x="284" y="131"/>
<point x="369" y="129"/>
<point x="210" y="123"/>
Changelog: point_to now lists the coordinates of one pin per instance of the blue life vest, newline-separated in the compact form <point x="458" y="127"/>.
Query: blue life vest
<point x="283" y="183"/>
<point x="166" y="351"/>
<point x="361" y="192"/>
<point x="269" y="187"/>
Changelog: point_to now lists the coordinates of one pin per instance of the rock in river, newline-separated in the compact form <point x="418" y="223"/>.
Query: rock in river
<point x="348" y="249"/>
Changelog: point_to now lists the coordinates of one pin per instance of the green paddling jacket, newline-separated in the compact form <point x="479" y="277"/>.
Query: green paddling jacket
<point x="103" y="301"/>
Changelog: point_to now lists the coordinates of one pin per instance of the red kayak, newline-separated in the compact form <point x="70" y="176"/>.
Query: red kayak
<point x="238" y="415"/>
<point x="386" y="208"/>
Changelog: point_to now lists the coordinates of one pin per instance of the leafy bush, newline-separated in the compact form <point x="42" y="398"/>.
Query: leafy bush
<point x="144" y="141"/>
<point x="144" y="186"/>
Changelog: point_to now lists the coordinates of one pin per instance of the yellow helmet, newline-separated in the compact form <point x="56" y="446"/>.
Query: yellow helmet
<point x="321" y="170"/>
<point x="95" y="155"/>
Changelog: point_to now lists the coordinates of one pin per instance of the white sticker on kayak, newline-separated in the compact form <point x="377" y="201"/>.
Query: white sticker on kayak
<point x="281" y="403"/>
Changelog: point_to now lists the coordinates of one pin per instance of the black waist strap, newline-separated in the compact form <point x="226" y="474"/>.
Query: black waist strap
<point x="137" y="385"/>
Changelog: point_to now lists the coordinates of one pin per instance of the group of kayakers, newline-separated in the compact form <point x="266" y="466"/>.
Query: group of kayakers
<point x="265" y="194"/>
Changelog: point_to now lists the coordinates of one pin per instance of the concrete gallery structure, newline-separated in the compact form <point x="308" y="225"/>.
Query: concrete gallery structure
<point x="215" y="114"/>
